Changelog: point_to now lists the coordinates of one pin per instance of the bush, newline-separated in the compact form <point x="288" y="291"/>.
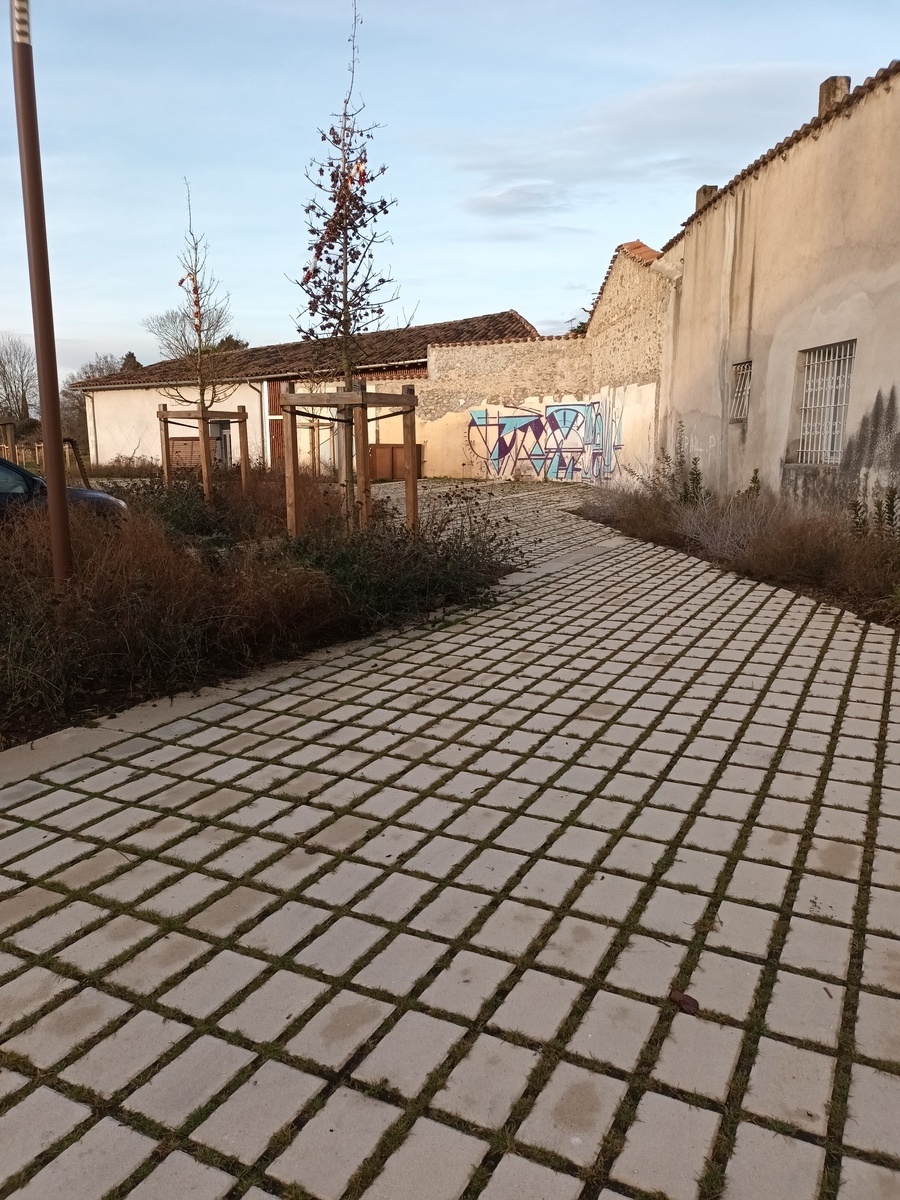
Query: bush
<point x="143" y="615"/>
<point x="229" y="517"/>
<point x="149" y="612"/>
<point x="387" y="573"/>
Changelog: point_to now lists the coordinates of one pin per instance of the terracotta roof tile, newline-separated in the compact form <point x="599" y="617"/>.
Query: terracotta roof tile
<point x="842" y="109"/>
<point x="377" y="352"/>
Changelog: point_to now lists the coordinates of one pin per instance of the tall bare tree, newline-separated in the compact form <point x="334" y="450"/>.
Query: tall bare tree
<point x="344" y="290"/>
<point x="193" y="332"/>
<point x="18" y="378"/>
<point x="72" y="399"/>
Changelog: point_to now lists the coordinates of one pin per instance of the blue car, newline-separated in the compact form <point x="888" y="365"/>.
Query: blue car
<point x="20" y="487"/>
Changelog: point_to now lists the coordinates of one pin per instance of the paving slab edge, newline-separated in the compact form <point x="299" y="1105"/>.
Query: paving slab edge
<point x="43" y="754"/>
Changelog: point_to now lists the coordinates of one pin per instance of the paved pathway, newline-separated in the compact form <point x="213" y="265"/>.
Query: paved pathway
<point x="401" y="921"/>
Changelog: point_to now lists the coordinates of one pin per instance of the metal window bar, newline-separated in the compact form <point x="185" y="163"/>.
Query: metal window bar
<point x="826" y="395"/>
<point x="740" y="391"/>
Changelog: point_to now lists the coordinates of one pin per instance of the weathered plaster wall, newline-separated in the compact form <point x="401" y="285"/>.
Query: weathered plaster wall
<point x="627" y="326"/>
<point x="804" y="254"/>
<point x="568" y="437"/>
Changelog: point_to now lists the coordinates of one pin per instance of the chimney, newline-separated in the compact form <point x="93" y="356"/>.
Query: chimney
<point x="832" y="92"/>
<point x="704" y="195"/>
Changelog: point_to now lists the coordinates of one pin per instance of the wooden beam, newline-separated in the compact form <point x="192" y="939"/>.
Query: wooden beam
<point x="213" y="414"/>
<point x="291" y="475"/>
<point x="410" y="470"/>
<point x="165" y="444"/>
<point x="363" y="483"/>
<point x="245" y="451"/>
<point x="346" y="399"/>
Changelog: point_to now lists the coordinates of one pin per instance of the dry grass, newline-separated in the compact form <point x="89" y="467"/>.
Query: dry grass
<point x="180" y="593"/>
<point x="143" y="615"/>
<point x="230" y="516"/>
<point x="820" y="550"/>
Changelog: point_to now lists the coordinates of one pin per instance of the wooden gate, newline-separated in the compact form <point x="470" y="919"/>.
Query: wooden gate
<point x="387" y="461"/>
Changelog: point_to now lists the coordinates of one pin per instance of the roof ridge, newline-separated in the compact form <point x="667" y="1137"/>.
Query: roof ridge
<point x="841" y="109"/>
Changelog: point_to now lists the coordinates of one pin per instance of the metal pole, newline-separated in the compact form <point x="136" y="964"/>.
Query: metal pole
<point x="41" y="300"/>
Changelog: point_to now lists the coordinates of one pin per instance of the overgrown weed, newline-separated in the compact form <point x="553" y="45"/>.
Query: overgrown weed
<point x="181" y="594"/>
<point x="849" y="556"/>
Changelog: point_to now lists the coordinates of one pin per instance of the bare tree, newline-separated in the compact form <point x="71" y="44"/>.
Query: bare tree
<point x="18" y="378"/>
<point x="344" y="290"/>
<point x="71" y="397"/>
<point x="193" y="332"/>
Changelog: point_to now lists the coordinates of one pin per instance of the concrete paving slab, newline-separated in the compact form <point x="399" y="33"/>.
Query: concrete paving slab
<point x="632" y="771"/>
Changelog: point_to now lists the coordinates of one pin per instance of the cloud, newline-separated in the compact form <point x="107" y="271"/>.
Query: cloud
<point x="518" y="200"/>
<point x="698" y="128"/>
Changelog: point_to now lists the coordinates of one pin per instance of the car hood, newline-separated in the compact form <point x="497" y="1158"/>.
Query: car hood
<point x="89" y="494"/>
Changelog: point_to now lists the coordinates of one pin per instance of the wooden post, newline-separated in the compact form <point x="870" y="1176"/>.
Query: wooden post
<point x="291" y="472"/>
<point x="245" y="449"/>
<point x="313" y="446"/>
<point x="363" y="483"/>
<point x="164" y="445"/>
<point x="410" y="468"/>
<point x="8" y="438"/>
<point x="205" y="456"/>
<point x="345" y="465"/>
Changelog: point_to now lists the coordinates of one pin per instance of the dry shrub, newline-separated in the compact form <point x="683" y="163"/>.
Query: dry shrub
<point x="388" y="574"/>
<point x="230" y="516"/>
<point x="143" y="615"/>
<point x="164" y="601"/>
<point x="639" y="514"/>
<point x="812" y="549"/>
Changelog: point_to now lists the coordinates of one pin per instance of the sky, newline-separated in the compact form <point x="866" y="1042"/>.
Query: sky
<point x="524" y="140"/>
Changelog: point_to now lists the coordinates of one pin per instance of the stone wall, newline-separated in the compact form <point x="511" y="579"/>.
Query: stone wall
<point x="502" y="373"/>
<point x="628" y="324"/>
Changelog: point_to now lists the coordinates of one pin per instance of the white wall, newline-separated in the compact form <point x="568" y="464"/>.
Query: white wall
<point x="123" y="423"/>
<point x="804" y="253"/>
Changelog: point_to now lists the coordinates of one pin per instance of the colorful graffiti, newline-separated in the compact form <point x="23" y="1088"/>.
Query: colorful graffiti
<point x="566" y="441"/>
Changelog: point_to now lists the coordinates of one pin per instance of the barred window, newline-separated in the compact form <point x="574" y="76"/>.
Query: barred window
<point x="740" y="391"/>
<point x="826" y="395"/>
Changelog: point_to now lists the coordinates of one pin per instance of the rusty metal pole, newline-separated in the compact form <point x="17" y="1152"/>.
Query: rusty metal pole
<point x="41" y="299"/>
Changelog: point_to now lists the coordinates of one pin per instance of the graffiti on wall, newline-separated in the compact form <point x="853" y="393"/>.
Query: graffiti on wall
<point x="566" y="441"/>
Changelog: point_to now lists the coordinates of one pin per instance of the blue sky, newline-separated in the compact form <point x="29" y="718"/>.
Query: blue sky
<point x="525" y="139"/>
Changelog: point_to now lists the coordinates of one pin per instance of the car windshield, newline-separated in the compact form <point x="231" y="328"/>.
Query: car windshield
<point x="12" y="483"/>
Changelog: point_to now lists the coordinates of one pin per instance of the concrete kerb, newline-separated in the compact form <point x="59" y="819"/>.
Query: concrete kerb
<point x="43" y="754"/>
<point x="550" y="566"/>
<point x="53" y="750"/>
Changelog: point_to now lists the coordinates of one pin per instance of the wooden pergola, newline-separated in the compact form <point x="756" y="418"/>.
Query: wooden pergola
<point x="203" y="416"/>
<point x="351" y="411"/>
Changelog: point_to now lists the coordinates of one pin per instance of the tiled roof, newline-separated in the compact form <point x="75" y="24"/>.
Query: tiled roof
<point x="385" y="349"/>
<point x="842" y="109"/>
<point x="639" y="251"/>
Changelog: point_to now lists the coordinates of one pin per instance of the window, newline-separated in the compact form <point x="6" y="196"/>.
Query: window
<point x="740" y="391"/>
<point x="823" y="409"/>
<point x="12" y="482"/>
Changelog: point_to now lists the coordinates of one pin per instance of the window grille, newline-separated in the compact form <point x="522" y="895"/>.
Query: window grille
<point x="826" y="394"/>
<point x="740" y="391"/>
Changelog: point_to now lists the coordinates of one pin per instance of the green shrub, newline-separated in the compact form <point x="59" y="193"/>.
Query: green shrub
<point x="387" y="573"/>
